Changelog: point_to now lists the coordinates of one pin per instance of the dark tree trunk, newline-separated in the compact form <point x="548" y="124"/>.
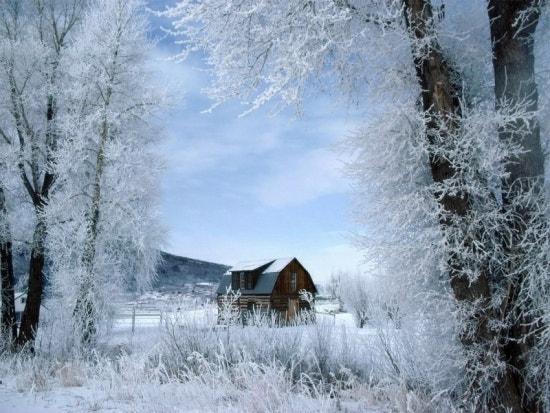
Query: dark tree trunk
<point x="513" y="25"/>
<point x="31" y="315"/>
<point x="8" y="324"/>
<point x="37" y="146"/>
<point x="442" y="107"/>
<point x="514" y="76"/>
<point x="39" y="195"/>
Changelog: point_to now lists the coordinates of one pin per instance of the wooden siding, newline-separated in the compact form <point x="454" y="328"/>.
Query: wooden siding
<point x="303" y="280"/>
<point x="261" y="302"/>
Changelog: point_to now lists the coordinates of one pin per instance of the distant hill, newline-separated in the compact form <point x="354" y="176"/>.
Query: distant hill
<point x="181" y="275"/>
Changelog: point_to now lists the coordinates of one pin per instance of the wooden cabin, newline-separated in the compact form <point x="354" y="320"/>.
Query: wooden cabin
<point x="271" y="286"/>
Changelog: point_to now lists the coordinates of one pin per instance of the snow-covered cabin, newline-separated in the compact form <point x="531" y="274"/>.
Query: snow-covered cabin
<point x="272" y="285"/>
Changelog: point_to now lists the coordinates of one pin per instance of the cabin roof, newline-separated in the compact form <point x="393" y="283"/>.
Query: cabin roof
<point x="266" y="280"/>
<point x="275" y="265"/>
<point x="278" y="265"/>
<point x="248" y="265"/>
<point x="264" y="285"/>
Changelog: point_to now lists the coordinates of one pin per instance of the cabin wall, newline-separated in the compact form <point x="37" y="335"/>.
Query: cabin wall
<point x="286" y="293"/>
<point x="283" y="285"/>
<point x="260" y="302"/>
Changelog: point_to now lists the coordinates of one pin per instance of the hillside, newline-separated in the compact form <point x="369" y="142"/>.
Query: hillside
<point x="181" y="275"/>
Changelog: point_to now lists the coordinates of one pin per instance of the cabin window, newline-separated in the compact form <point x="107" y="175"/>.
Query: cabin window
<point x="23" y="300"/>
<point x="242" y="285"/>
<point x="293" y="282"/>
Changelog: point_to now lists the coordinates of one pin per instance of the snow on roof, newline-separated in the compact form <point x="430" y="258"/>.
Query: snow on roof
<point x="249" y="265"/>
<point x="275" y="265"/>
<point x="278" y="265"/>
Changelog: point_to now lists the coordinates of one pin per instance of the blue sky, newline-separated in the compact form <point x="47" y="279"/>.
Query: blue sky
<point x="254" y="187"/>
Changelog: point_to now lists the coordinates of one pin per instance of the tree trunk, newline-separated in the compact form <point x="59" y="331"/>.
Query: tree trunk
<point x="513" y="58"/>
<point x="513" y="26"/>
<point x="443" y="111"/>
<point x="31" y="315"/>
<point x="40" y="195"/>
<point x="85" y="309"/>
<point x="8" y="323"/>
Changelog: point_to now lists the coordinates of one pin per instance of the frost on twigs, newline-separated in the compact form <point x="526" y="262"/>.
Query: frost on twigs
<point x="229" y="311"/>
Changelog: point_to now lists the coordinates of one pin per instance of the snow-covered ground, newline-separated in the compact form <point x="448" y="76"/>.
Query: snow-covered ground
<point x="129" y="381"/>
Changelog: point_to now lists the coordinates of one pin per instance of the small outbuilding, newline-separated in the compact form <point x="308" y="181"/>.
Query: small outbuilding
<point x="271" y="286"/>
<point x="20" y="301"/>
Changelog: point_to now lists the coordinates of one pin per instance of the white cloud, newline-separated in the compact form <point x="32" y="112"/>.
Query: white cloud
<point x="203" y="147"/>
<point x="301" y="178"/>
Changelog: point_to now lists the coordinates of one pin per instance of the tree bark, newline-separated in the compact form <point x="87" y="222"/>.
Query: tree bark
<point x="442" y="107"/>
<point x="40" y="197"/>
<point x="513" y="25"/>
<point x="39" y="194"/>
<point x="31" y="314"/>
<point x="8" y="322"/>
<point x="85" y="309"/>
<point x="514" y="83"/>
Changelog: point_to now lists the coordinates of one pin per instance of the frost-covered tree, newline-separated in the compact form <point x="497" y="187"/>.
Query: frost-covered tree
<point x="334" y="288"/>
<point x="450" y="154"/>
<point x="356" y="297"/>
<point x="107" y="167"/>
<point x="34" y="35"/>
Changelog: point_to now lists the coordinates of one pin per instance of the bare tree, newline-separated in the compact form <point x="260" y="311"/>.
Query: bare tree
<point x="334" y="289"/>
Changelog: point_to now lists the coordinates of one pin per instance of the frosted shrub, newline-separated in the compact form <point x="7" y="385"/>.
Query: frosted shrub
<point x="416" y="353"/>
<point x="30" y="372"/>
<point x="181" y="340"/>
<point x="320" y="356"/>
<point x="55" y="338"/>
<point x="261" y="366"/>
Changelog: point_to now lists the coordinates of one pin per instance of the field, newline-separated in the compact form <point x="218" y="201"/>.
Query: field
<point x="165" y="353"/>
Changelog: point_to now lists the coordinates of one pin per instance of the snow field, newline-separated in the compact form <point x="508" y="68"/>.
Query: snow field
<point x="178" y="360"/>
